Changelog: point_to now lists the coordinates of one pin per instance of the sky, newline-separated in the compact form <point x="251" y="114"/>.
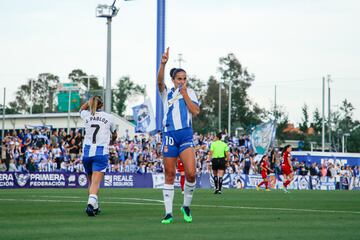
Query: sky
<point x="290" y="44"/>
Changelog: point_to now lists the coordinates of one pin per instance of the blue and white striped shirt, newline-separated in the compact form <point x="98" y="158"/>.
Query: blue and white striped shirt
<point x="176" y="113"/>
<point x="98" y="130"/>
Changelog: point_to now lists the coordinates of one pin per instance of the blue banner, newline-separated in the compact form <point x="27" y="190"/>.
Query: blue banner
<point x="148" y="180"/>
<point x="352" y="159"/>
<point x="127" y="180"/>
<point x="42" y="180"/>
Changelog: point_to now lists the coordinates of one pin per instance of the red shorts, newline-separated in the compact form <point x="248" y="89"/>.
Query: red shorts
<point x="180" y="166"/>
<point x="286" y="170"/>
<point x="264" y="175"/>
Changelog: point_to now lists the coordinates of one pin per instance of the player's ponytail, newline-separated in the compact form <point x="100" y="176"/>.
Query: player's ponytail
<point x="95" y="103"/>
<point x="262" y="159"/>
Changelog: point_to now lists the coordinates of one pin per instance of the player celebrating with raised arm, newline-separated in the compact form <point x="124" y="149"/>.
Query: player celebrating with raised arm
<point x="286" y="167"/>
<point x="264" y="172"/>
<point x="99" y="129"/>
<point x="180" y="104"/>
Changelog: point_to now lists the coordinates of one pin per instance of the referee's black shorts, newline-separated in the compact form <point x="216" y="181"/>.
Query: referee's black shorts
<point x="218" y="163"/>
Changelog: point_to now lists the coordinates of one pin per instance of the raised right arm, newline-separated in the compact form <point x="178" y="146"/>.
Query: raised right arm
<point x="161" y="71"/>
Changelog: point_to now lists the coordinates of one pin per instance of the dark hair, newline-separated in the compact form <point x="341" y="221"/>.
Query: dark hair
<point x="285" y="149"/>
<point x="262" y="159"/>
<point x="174" y="71"/>
<point x="219" y="135"/>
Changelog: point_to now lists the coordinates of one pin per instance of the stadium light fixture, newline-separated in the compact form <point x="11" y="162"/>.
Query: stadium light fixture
<point x="108" y="12"/>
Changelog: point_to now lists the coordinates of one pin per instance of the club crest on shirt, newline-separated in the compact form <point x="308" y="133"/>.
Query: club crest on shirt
<point x="166" y="149"/>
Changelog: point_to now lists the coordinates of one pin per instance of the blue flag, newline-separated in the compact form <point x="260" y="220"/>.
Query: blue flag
<point x="144" y="117"/>
<point x="262" y="136"/>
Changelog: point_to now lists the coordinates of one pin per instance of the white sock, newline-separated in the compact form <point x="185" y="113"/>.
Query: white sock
<point x="188" y="192"/>
<point x="168" y="194"/>
<point x="93" y="200"/>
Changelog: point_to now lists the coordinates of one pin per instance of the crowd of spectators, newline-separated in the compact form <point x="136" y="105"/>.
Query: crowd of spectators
<point x="45" y="150"/>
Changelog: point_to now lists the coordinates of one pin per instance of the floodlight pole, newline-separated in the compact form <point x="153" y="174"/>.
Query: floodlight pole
<point x="229" y="112"/>
<point x="31" y="94"/>
<point x="68" y="119"/>
<point x="323" y="117"/>
<point x="220" y="106"/>
<point x="108" y="68"/>
<point x="3" y="121"/>
<point x="109" y="12"/>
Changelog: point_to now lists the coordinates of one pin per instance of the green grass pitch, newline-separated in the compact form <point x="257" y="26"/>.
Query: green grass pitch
<point x="136" y="214"/>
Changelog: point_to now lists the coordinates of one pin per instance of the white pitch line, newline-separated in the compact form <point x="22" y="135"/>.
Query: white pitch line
<point x="120" y="198"/>
<point x="194" y="205"/>
<point x="75" y="201"/>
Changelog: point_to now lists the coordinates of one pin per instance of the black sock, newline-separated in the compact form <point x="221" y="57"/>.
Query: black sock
<point x="216" y="182"/>
<point x="220" y="183"/>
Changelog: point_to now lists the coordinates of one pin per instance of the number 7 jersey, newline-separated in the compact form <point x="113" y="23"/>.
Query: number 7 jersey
<point x="98" y="131"/>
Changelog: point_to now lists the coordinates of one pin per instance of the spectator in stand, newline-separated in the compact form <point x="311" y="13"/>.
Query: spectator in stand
<point x="356" y="171"/>
<point x="78" y="139"/>
<point x="324" y="170"/>
<point x="31" y="166"/>
<point x="314" y="169"/>
<point x="246" y="163"/>
<point x="64" y="166"/>
<point x="57" y="155"/>
<point x="272" y="158"/>
<point x="54" y="138"/>
<point x="12" y="166"/>
<point x="2" y="166"/>
<point x="21" y="166"/>
<point x="303" y="169"/>
<point x="73" y="149"/>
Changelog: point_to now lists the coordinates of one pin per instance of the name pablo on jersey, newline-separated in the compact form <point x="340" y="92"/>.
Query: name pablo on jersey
<point x="97" y="118"/>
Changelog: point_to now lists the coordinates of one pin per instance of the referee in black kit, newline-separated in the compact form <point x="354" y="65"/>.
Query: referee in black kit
<point x="218" y="151"/>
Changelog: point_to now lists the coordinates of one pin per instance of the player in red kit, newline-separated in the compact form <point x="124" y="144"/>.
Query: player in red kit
<point x="286" y="167"/>
<point x="264" y="173"/>
<point x="181" y="170"/>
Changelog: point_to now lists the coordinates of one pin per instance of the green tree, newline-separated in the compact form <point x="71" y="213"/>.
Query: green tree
<point x="199" y="122"/>
<point x="243" y="112"/>
<point x="343" y="123"/>
<point x="305" y="119"/>
<point x="22" y="98"/>
<point x="282" y="122"/>
<point x="207" y="120"/>
<point x="43" y="94"/>
<point x="124" y="89"/>
<point x="316" y="124"/>
<point x="352" y="143"/>
<point x="8" y="110"/>
<point x="79" y="76"/>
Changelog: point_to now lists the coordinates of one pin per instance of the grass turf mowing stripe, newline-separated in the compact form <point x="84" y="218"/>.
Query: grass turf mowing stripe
<point x="120" y="198"/>
<point x="194" y="205"/>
